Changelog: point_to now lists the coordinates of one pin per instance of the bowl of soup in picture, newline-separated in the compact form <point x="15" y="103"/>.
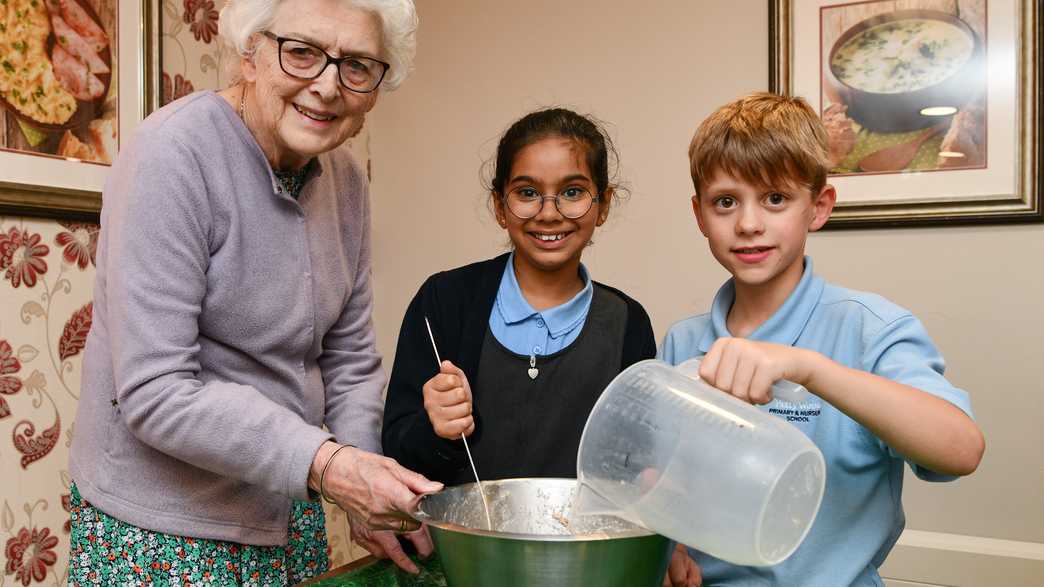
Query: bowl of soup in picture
<point x="891" y="67"/>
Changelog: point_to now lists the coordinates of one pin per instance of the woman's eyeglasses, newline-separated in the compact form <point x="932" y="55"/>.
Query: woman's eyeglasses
<point x="304" y="60"/>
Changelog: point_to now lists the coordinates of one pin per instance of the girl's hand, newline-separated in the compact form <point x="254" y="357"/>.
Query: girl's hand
<point x="447" y="399"/>
<point x="683" y="571"/>
<point x="747" y="369"/>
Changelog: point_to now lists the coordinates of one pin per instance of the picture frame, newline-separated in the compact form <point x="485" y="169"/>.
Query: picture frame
<point x="815" y="51"/>
<point x="46" y="184"/>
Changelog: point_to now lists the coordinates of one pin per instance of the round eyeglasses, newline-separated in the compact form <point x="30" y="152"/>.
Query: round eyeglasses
<point x="526" y="202"/>
<point x="304" y="60"/>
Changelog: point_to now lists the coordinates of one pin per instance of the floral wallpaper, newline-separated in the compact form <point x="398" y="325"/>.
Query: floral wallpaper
<point x="192" y="57"/>
<point x="46" y="280"/>
<point x="46" y="275"/>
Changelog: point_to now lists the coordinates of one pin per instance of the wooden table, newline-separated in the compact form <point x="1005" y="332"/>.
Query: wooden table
<point x="373" y="572"/>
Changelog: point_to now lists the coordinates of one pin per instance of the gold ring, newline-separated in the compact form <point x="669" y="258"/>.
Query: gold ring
<point x="402" y="526"/>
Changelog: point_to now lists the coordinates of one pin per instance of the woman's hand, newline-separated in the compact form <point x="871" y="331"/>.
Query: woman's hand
<point x="683" y="571"/>
<point x="375" y="489"/>
<point x="384" y="544"/>
<point x="447" y="399"/>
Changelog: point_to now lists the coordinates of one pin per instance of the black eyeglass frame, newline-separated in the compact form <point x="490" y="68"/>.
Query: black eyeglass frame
<point x="595" y="198"/>
<point x="337" y="61"/>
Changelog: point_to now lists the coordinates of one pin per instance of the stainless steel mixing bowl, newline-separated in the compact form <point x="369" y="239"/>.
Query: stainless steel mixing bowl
<point x="537" y="540"/>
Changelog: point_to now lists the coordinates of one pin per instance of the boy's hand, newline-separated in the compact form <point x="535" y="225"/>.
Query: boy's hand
<point x="747" y="369"/>
<point x="683" y="571"/>
<point x="447" y="399"/>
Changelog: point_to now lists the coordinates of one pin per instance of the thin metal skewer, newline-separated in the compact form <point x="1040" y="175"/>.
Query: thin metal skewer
<point x="482" y="493"/>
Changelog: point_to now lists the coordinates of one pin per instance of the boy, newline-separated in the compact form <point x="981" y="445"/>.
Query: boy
<point x="759" y="166"/>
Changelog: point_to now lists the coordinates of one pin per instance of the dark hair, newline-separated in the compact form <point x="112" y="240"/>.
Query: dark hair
<point x="555" y="122"/>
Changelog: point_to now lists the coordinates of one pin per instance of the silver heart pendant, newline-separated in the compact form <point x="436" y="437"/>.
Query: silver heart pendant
<point x="533" y="373"/>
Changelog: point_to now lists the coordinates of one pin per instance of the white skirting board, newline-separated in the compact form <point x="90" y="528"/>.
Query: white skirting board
<point x="953" y="560"/>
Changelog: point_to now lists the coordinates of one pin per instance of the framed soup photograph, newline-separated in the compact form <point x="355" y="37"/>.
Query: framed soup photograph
<point x="73" y="85"/>
<point x="932" y="107"/>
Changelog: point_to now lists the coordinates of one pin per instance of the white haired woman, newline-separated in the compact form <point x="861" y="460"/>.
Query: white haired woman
<point x="232" y="319"/>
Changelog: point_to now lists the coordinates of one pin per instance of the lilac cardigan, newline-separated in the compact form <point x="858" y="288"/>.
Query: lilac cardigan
<point x="230" y="323"/>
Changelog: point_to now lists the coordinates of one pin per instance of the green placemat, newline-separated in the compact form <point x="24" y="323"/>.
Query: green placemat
<point x="384" y="573"/>
<point x="32" y="136"/>
<point x="868" y="142"/>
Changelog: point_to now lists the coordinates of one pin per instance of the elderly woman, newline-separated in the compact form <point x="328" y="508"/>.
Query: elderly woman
<point x="232" y="318"/>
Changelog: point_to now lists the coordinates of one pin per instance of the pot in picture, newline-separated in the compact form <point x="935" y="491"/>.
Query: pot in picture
<point x="906" y="70"/>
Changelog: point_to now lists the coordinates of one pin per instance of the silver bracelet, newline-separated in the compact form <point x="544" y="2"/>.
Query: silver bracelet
<point x="322" y="476"/>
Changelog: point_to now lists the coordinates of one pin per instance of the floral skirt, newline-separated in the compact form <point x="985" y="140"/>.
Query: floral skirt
<point x="106" y="551"/>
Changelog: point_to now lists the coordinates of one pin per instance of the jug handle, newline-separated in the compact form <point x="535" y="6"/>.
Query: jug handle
<point x="784" y="390"/>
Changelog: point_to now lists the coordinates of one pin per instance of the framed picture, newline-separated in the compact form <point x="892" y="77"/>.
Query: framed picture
<point x="73" y="79"/>
<point x="932" y="107"/>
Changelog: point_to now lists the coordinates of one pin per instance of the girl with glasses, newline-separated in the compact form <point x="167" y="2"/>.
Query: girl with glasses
<point x="528" y="339"/>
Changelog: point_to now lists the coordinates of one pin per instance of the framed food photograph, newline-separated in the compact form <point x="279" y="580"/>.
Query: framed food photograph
<point x="73" y="85"/>
<point x="932" y="107"/>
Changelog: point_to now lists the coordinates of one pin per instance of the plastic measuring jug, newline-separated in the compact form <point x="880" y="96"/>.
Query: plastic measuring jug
<point x="663" y="449"/>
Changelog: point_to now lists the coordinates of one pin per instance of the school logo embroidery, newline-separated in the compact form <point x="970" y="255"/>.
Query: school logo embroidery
<point x="803" y="412"/>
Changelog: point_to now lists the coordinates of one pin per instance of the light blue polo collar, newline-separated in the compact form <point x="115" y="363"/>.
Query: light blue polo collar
<point x="783" y="327"/>
<point x="560" y="320"/>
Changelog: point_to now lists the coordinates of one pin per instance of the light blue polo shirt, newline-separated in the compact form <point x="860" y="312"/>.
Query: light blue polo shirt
<point x="525" y="331"/>
<point x="862" y="514"/>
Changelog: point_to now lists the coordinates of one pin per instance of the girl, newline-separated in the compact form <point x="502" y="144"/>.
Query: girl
<point x="528" y="340"/>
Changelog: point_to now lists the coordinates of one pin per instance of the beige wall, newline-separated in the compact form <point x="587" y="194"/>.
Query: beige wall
<point x="654" y="72"/>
